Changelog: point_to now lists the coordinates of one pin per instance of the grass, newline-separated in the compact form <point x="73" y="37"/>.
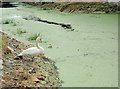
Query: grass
<point x="33" y="37"/>
<point x="14" y="24"/>
<point x="7" y="21"/>
<point x="10" y="21"/>
<point x="20" y="31"/>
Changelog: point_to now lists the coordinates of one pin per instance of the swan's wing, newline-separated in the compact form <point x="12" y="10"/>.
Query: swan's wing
<point x="31" y="51"/>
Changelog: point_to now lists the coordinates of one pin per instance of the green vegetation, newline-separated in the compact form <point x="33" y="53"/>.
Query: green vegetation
<point x="33" y="37"/>
<point x="14" y="24"/>
<point x="10" y="21"/>
<point x="7" y="21"/>
<point x="20" y="31"/>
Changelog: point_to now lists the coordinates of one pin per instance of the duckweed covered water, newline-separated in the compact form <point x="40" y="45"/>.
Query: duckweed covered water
<point x="86" y="57"/>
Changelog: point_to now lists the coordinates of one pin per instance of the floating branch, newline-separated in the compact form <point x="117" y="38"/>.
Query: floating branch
<point x="65" y="26"/>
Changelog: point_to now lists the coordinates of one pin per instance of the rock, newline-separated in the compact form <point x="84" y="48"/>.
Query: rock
<point x="32" y="70"/>
<point x="34" y="79"/>
<point x="50" y="46"/>
<point x="43" y="82"/>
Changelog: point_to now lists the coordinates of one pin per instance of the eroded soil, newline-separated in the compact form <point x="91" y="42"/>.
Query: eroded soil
<point x="29" y="72"/>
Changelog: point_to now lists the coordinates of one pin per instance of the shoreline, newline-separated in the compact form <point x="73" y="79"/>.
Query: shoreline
<point x="83" y="7"/>
<point x="78" y="54"/>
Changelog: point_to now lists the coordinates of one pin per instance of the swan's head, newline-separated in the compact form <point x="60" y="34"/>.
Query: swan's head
<point x="38" y="39"/>
<point x="38" y="34"/>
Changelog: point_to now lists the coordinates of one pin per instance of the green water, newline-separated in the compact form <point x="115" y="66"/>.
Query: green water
<point x="86" y="57"/>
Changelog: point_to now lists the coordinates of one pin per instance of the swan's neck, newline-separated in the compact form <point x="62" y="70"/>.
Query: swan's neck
<point x="37" y="45"/>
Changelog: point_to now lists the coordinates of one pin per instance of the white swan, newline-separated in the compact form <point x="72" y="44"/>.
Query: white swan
<point x="33" y="50"/>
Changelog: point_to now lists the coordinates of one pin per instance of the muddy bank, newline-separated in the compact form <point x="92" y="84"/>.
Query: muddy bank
<point x="85" y="7"/>
<point x="29" y="72"/>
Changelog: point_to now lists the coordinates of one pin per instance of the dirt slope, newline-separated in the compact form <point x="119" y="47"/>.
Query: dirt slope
<point x="29" y="72"/>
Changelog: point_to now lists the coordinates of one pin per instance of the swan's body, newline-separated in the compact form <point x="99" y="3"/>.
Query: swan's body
<point x="33" y="51"/>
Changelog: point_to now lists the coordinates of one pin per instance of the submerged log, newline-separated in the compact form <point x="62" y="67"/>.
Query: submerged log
<point x="65" y="26"/>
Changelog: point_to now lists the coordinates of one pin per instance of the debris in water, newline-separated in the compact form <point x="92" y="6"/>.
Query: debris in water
<point x="65" y="26"/>
<point x="50" y="46"/>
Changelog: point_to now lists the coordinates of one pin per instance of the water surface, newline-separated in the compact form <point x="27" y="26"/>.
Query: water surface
<point x="86" y="57"/>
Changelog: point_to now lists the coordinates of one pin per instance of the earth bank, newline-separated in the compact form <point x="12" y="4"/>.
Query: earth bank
<point x="86" y="7"/>
<point x="29" y="72"/>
